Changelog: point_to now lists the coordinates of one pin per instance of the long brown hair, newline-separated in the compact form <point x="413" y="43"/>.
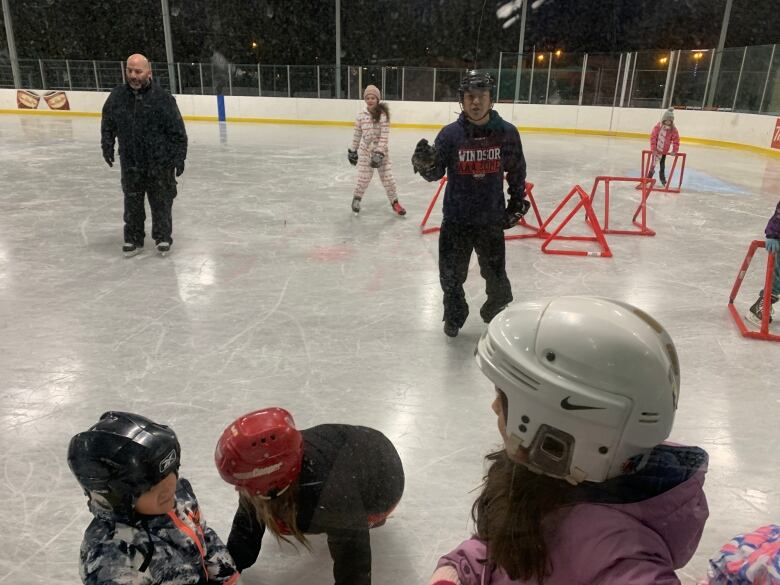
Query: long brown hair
<point x="381" y="108"/>
<point x="509" y="515"/>
<point x="279" y="514"/>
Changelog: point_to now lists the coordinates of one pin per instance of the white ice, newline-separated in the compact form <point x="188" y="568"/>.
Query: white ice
<point x="276" y="294"/>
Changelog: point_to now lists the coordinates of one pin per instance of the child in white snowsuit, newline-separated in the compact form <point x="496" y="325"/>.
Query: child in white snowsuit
<point x="370" y="149"/>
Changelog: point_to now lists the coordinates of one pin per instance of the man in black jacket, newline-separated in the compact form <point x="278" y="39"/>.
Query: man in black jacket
<point x="152" y="147"/>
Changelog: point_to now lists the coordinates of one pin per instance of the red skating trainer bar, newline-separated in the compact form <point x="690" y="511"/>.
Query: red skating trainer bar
<point x="591" y="220"/>
<point x="763" y="333"/>
<point x="645" y="184"/>
<point x="535" y="230"/>
<point x="430" y="230"/>
<point x="647" y="161"/>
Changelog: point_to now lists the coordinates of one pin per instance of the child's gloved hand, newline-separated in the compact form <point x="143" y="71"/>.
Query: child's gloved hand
<point x="352" y="156"/>
<point x="772" y="245"/>
<point x="376" y="159"/>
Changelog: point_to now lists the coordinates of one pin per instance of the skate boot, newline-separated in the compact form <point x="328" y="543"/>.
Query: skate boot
<point x="450" y="329"/>
<point x="756" y="313"/>
<point x="163" y="248"/>
<point x="356" y="204"/>
<point x="131" y="249"/>
<point x="399" y="209"/>
<point x="487" y="312"/>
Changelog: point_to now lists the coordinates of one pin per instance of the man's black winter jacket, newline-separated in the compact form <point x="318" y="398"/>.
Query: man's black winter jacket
<point x="148" y="125"/>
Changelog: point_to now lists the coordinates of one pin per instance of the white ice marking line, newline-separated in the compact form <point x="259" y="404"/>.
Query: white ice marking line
<point x="435" y="461"/>
<point x="86" y="221"/>
<point x="44" y="546"/>
<point x="145" y="327"/>
<point x="263" y="318"/>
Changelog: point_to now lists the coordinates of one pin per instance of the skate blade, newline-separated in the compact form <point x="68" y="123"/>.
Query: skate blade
<point x="751" y="318"/>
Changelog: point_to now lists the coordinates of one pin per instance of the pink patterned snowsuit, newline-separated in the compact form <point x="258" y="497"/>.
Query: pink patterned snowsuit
<point x="370" y="137"/>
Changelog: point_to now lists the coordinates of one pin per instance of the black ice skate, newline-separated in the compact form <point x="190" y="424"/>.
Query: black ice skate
<point x="756" y="312"/>
<point x="163" y="248"/>
<point x="450" y="329"/>
<point x="131" y="249"/>
<point x="487" y="312"/>
<point x="356" y="205"/>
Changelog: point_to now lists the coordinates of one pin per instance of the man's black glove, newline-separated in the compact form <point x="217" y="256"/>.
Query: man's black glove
<point x="109" y="158"/>
<point x="179" y="166"/>
<point x="352" y="156"/>
<point x="424" y="157"/>
<point x="515" y="210"/>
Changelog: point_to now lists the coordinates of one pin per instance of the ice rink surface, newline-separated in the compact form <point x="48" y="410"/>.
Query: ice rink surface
<point x="276" y="294"/>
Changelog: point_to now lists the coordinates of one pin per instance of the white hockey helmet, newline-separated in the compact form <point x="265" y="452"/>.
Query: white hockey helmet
<point x="590" y="383"/>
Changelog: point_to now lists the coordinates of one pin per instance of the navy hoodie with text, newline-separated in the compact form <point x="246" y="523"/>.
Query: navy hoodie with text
<point x="475" y="159"/>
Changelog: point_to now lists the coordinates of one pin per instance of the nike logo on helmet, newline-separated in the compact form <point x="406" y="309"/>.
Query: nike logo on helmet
<point x="566" y="405"/>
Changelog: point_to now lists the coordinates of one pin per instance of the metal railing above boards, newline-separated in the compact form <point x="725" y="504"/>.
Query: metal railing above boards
<point x="743" y="79"/>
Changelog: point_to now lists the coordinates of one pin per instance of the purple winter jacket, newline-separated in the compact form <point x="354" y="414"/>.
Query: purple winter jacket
<point x="633" y="530"/>
<point x="773" y="227"/>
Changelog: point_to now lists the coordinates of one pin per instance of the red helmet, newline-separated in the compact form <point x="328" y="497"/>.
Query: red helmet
<point x="261" y="451"/>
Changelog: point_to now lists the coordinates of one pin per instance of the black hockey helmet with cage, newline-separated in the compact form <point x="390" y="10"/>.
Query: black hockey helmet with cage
<point x="120" y="457"/>
<point x="477" y="80"/>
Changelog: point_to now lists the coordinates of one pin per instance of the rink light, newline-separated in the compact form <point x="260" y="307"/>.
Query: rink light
<point x="698" y="55"/>
<point x="558" y="53"/>
<point x="663" y="60"/>
<point x="540" y="57"/>
<point x="254" y="44"/>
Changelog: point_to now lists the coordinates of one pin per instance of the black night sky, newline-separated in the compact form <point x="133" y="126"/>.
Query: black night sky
<point x="390" y="32"/>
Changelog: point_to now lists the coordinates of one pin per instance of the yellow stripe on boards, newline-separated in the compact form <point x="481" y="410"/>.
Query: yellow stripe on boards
<point x="773" y="153"/>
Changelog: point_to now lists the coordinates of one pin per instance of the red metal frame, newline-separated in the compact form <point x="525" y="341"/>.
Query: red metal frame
<point x="647" y="158"/>
<point x="591" y="220"/>
<point x="430" y="230"/>
<point x="645" y="184"/>
<point x="536" y="231"/>
<point x="763" y="333"/>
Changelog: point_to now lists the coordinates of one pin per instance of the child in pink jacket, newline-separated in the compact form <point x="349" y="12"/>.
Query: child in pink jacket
<point x="663" y="138"/>
<point x="583" y="489"/>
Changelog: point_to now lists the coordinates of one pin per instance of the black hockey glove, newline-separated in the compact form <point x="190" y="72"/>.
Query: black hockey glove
<point x="515" y="211"/>
<point x="352" y="156"/>
<point x="376" y="159"/>
<point x="424" y="157"/>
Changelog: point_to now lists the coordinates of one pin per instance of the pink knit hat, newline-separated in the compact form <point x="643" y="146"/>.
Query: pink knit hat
<point x="372" y="90"/>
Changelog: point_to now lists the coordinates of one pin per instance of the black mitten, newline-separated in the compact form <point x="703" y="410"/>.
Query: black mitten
<point x="515" y="210"/>
<point x="352" y="156"/>
<point x="376" y="159"/>
<point x="424" y="157"/>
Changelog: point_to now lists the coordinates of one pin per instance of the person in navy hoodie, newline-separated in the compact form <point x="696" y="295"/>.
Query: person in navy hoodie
<point x="475" y="152"/>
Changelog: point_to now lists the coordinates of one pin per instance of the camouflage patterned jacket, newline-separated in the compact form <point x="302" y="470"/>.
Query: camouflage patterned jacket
<point x="173" y="549"/>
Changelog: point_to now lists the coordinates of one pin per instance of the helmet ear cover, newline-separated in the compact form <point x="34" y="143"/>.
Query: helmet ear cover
<point x="590" y="383"/>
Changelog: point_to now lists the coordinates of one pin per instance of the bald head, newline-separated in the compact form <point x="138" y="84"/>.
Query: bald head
<point x="139" y="71"/>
